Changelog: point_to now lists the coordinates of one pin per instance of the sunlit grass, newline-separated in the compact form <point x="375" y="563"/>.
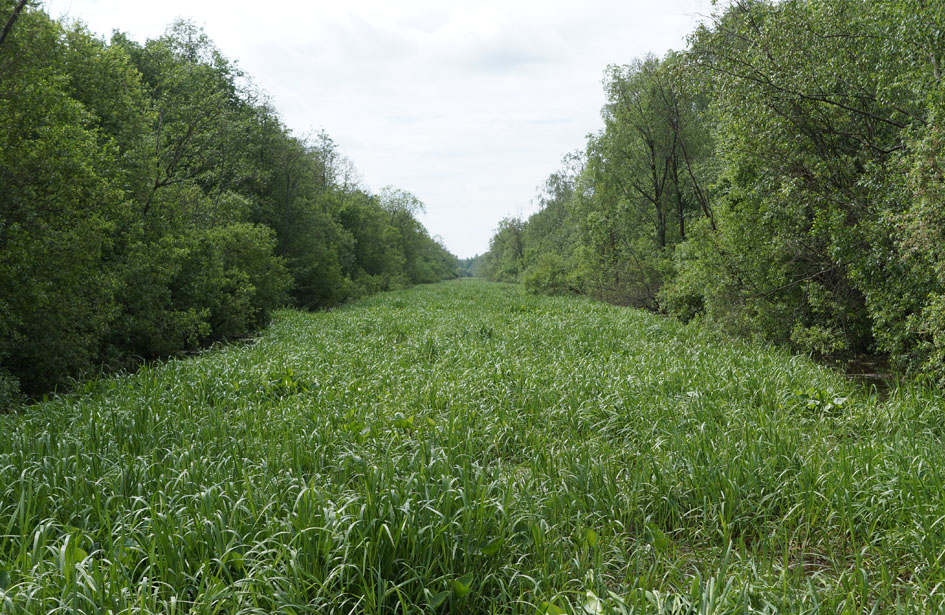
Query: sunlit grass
<point x="467" y="448"/>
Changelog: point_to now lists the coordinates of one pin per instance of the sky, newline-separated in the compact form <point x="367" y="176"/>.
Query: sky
<point x="469" y="105"/>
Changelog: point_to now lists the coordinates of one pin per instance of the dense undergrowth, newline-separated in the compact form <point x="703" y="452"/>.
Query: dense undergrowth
<point x="468" y="448"/>
<point x="782" y="177"/>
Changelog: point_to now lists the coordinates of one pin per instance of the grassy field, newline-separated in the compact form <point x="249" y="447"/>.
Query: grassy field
<point x="468" y="448"/>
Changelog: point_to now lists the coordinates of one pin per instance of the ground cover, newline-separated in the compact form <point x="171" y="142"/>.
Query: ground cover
<point x="465" y="447"/>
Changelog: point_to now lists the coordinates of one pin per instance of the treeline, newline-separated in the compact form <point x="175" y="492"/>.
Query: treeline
<point x="784" y="177"/>
<point x="152" y="201"/>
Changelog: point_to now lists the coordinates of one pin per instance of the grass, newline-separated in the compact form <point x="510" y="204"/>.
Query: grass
<point x="468" y="448"/>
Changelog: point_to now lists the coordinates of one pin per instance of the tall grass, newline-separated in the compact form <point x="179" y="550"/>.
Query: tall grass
<point x="467" y="448"/>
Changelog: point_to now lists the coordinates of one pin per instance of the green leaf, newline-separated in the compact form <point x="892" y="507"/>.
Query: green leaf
<point x="4" y="580"/>
<point x="403" y="422"/>
<point x="435" y="600"/>
<point x="234" y="559"/>
<point x="657" y="538"/>
<point x="492" y="547"/>
<point x="590" y="537"/>
<point x="593" y="604"/>
<point x="550" y="608"/>
<point x="462" y="585"/>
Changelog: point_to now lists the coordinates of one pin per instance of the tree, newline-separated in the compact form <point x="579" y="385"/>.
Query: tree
<point x="14" y="14"/>
<point x="151" y="202"/>
<point x="60" y="200"/>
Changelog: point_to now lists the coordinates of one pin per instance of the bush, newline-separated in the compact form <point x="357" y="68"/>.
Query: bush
<point x="192" y="287"/>
<point x="251" y="280"/>
<point x="9" y="391"/>
<point x="550" y="275"/>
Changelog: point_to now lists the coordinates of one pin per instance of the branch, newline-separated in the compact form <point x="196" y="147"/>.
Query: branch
<point x="12" y="20"/>
<point x="800" y="281"/>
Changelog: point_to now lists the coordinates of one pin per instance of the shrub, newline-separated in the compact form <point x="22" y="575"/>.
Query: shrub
<point x="550" y="275"/>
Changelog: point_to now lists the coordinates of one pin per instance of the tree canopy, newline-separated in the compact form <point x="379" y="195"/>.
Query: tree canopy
<point x="781" y="177"/>
<point x="152" y="201"/>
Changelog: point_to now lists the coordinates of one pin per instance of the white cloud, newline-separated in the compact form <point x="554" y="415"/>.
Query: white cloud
<point x="469" y="105"/>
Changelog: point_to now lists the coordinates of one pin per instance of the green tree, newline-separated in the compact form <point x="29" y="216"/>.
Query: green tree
<point x="61" y="200"/>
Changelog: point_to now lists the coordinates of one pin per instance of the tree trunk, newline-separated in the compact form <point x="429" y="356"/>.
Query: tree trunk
<point x="12" y="20"/>
<point x="680" y="212"/>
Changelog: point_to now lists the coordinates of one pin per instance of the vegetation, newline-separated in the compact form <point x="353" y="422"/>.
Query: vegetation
<point x="781" y="178"/>
<point x="151" y="201"/>
<point x="470" y="448"/>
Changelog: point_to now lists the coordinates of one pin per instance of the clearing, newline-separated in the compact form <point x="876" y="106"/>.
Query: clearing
<point x="464" y="447"/>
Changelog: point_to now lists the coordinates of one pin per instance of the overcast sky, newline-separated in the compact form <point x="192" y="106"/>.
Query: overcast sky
<point x="469" y="105"/>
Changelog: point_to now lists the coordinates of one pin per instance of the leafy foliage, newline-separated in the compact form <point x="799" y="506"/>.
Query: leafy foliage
<point x="781" y="177"/>
<point x="150" y="202"/>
